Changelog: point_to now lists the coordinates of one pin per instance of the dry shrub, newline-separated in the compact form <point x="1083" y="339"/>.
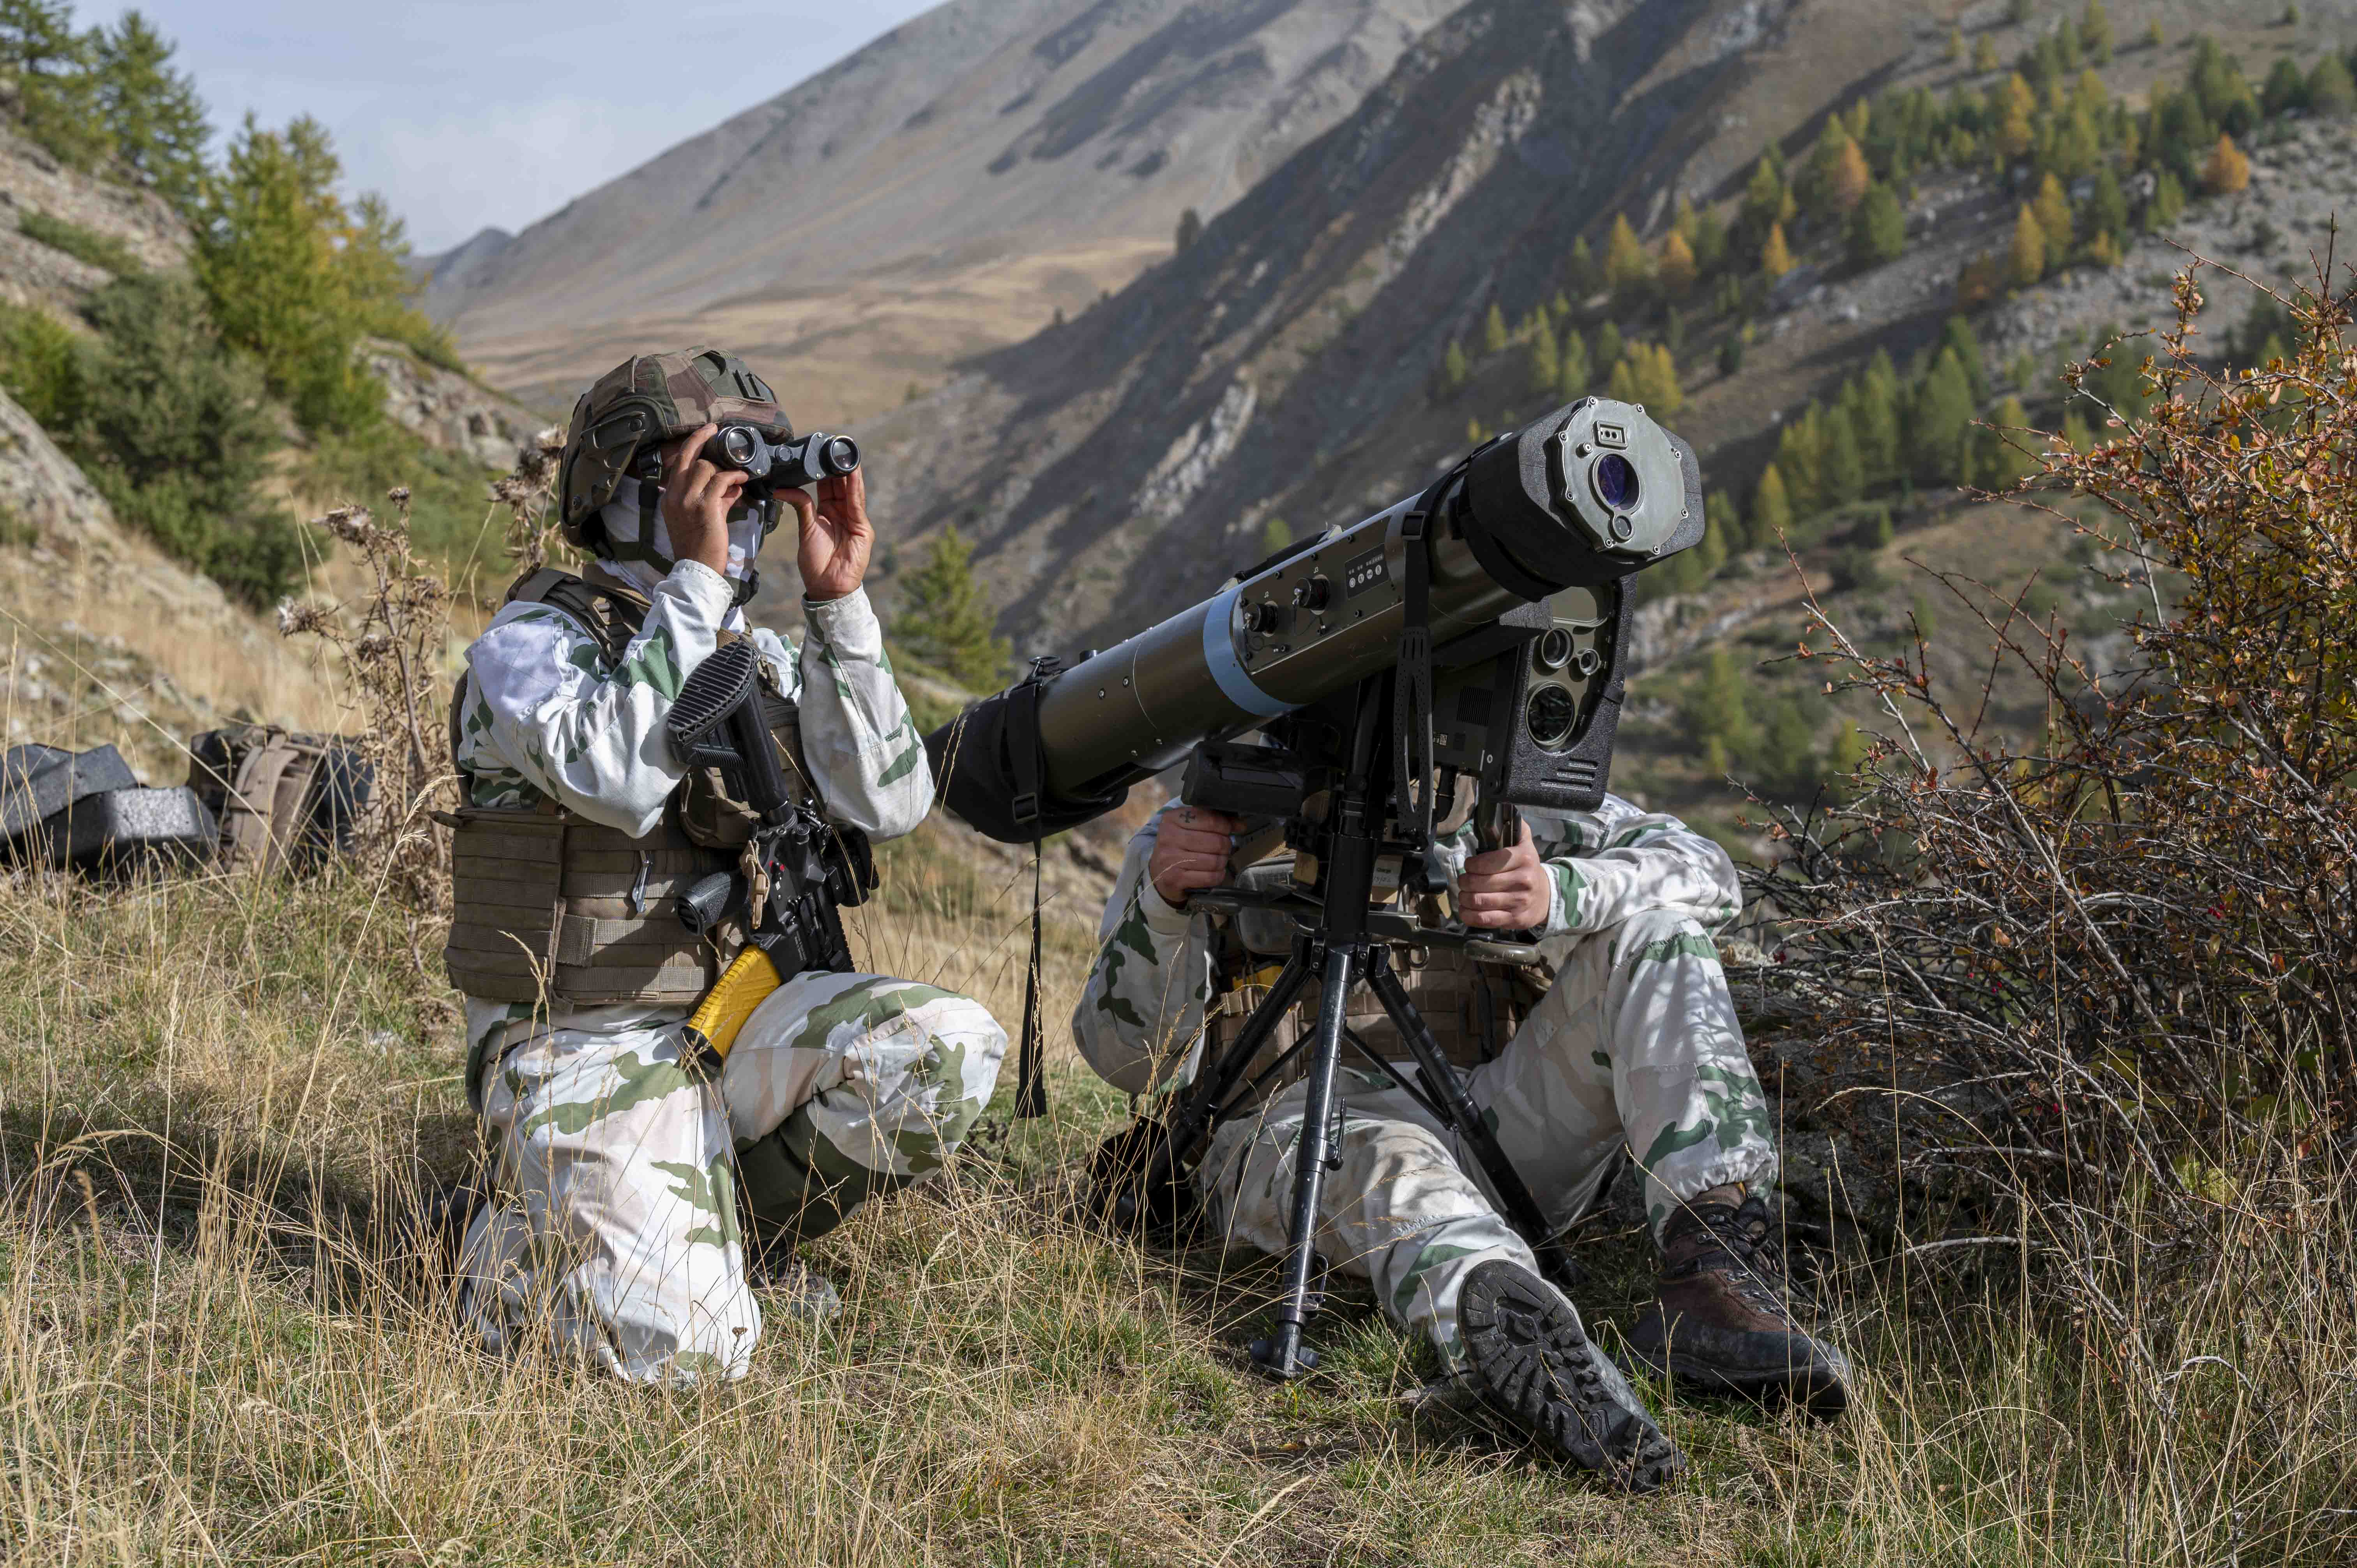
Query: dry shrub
<point x="391" y="643"/>
<point x="2136" y="932"/>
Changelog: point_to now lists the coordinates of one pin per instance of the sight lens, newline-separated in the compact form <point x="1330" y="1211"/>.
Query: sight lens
<point x="738" y="444"/>
<point x="1552" y="716"/>
<point x="1615" y="479"/>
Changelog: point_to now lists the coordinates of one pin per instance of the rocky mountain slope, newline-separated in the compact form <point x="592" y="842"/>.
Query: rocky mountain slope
<point x="104" y="635"/>
<point x="941" y="192"/>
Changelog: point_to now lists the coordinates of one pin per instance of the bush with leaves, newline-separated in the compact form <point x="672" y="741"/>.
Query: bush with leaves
<point x="2133" y="933"/>
<point x="174" y="431"/>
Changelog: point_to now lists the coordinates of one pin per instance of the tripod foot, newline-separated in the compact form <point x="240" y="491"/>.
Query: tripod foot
<point x="1267" y="1356"/>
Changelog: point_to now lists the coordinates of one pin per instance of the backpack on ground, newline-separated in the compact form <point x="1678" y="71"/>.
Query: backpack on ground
<point x="285" y="802"/>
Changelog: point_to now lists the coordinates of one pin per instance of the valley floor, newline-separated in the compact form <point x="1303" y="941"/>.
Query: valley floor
<point x="214" y="1092"/>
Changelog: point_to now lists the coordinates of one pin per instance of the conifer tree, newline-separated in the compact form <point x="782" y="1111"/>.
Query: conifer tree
<point x="1876" y="419"/>
<point x="944" y="620"/>
<point x="1654" y="373"/>
<point x="2008" y="454"/>
<point x="1573" y="370"/>
<point x="1545" y="361"/>
<point x="1957" y="333"/>
<point x="2095" y="33"/>
<point x="1878" y="230"/>
<point x="1984" y="55"/>
<point x="1939" y="417"/>
<point x="1677" y="266"/>
<point x="2052" y="207"/>
<point x="291" y="277"/>
<point x="1453" y="367"/>
<point x="2107" y="206"/>
<point x="47" y="62"/>
<point x="1851" y="178"/>
<point x="1800" y="457"/>
<point x="2228" y="170"/>
<point x="1955" y="46"/>
<point x="1609" y="348"/>
<point x="1709" y="242"/>
<point x="1720" y="517"/>
<point x="2167" y="203"/>
<point x="1623" y="385"/>
<point x="1582" y="268"/>
<point x="1763" y="201"/>
<point x="1843" y="468"/>
<point x="1624" y="257"/>
<point x="1493" y="330"/>
<point x="1190" y="229"/>
<point x="1716" y="713"/>
<point x="1775" y="260"/>
<point x="2331" y="95"/>
<point x="2026" y="258"/>
<point x="153" y="118"/>
<point x="1772" y="509"/>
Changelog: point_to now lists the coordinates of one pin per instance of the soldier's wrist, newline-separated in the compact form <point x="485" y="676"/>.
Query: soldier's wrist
<point x="1161" y="915"/>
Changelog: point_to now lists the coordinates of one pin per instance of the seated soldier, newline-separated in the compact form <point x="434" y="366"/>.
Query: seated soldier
<point x="1634" y="1045"/>
<point x="624" y="1168"/>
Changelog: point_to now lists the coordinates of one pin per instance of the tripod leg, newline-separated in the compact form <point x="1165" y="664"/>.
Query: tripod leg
<point x="1447" y="1091"/>
<point x="1282" y="1355"/>
<point x="1212" y="1086"/>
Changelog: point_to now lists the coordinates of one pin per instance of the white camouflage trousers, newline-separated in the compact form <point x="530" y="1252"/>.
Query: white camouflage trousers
<point x="1636" y="1047"/>
<point x="614" y="1235"/>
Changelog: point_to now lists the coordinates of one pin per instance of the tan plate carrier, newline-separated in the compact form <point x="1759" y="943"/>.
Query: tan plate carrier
<point x="549" y="904"/>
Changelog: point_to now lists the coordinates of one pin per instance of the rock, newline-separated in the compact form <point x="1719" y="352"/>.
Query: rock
<point x="447" y="411"/>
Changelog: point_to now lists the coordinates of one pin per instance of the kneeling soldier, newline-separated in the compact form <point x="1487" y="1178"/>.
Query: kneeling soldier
<point x="1633" y="1045"/>
<point x="625" y="1170"/>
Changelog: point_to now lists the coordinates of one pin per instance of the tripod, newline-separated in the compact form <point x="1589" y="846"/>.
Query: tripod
<point x="1343" y="940"/>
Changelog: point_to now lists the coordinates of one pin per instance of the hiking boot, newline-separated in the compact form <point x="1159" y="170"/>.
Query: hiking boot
<point x="787" y="1283"/>
<point x="1532" y="1360"/>
<point x="1723" y="1322"/>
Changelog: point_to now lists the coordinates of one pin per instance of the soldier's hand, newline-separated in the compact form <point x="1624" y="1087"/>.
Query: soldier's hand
<point x="835" y="535"/>
<point x="1506" y="889"/>
<point x="696" y="501"/>
<point x="1190" y="851"/>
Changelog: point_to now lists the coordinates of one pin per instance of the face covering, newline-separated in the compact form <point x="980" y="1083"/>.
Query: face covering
<point x="644" y="562"/>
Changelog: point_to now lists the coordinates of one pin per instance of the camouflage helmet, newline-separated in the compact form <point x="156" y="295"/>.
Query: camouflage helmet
<point x="643" y="402"/>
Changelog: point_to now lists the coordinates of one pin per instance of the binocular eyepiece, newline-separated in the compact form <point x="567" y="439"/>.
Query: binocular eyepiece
<point x="780" y="465"/>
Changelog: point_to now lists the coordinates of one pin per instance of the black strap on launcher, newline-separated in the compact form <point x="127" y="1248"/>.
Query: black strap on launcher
<point x="1023" y="736"/>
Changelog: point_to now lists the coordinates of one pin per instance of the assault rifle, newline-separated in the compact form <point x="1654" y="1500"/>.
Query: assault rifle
<point x="797" y="872"/>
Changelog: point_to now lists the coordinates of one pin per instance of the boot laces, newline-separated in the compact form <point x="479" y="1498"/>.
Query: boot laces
<point x="1745" y="1249"/>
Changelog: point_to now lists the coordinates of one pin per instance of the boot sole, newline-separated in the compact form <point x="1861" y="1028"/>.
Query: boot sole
<point x="1538" y="1366"/>
<point x="1821" y="1390"/>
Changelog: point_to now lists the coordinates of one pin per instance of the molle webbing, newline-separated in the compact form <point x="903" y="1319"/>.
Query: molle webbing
<point x="549" y="906"/>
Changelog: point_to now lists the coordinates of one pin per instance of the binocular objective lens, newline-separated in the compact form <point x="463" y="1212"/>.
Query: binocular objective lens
<point x="1615" y="478"/>
<point x="1551" y="715"/>
<point x="1555" y="648"/>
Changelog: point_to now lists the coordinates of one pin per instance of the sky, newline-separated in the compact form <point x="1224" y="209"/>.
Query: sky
<point x="468" y="114"/>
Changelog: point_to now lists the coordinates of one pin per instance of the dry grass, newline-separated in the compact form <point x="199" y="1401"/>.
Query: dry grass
<point x="215" y="1093"/>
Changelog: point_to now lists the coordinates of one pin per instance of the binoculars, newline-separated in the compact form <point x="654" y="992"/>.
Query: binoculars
<point x="790" y="463"/>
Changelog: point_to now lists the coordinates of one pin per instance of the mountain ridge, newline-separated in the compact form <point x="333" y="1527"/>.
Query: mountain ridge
<point x="940" y="192"/>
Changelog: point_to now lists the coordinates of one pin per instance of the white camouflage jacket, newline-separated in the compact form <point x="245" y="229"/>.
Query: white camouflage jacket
<point x="548" y="718"/>
<point x="1141" y="1012"/>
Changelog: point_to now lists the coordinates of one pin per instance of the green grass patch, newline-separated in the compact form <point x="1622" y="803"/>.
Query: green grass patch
<point x="101" y="250"/>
